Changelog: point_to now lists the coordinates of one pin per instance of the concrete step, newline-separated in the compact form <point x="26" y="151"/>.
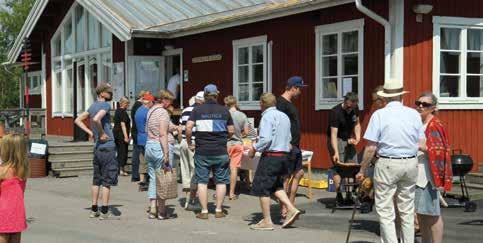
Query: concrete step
<point x="61" y="164"/>
<point x="76" y="171"/>
<point x="70" y="156"/>
<point x="67" y="149"/>
<point x="475" y="178"/>
<point x="481" y="167"/>
<point x="475" y="190"/>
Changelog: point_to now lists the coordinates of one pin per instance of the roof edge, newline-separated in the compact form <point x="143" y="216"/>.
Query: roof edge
<point x="28" y="26"/>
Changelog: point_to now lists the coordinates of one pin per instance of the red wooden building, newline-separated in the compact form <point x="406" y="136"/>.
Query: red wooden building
<point x="250" y="47"/>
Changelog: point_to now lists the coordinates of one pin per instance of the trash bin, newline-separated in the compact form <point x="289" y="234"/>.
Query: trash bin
<point x="38" y="150"/>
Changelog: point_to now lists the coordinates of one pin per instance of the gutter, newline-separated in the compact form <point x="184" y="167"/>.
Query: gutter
<point x="387" y="36"/>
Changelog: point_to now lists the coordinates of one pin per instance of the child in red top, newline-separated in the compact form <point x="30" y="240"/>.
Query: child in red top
<point x="14" y="170"/>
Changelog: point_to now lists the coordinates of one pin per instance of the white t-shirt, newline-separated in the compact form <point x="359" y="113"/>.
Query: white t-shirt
<point x="173" y="84"/>
<point x="424" y="175"/>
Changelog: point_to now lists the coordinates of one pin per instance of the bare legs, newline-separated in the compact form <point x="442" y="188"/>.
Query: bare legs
<point x="431" y="228"/>
<point x="265" y="205"/>
<point x="203" y="196"/>
<point x="10" y="238"/>
<point x="291" y="185"/>
<point x="233" y="176"/>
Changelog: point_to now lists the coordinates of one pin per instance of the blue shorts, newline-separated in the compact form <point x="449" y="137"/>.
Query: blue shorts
<point x="105" y="167"/>
<point x="218" y="164"/>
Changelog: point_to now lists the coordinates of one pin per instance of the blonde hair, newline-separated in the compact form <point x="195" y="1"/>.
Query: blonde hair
<point x="268" y="100"/>
<point x="230" y="101"/>
<point x="142" y="93"/>
<point x="13" y="153"/>
<point x="165" y="95"/>
<point x="123" y="100"/>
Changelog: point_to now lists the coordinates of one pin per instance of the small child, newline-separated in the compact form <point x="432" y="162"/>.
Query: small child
<point x="13" y="176"/>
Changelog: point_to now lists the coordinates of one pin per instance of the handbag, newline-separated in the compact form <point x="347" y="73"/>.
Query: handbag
<point x="166" y="184"/>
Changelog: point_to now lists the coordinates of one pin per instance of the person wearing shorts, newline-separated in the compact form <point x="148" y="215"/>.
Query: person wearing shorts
<point x="235" y="143"/>
<point x="343" y="134"/>
<point x="105" y="163"/>
<point x="213" y="127"/>
<point x="274" y="146"/>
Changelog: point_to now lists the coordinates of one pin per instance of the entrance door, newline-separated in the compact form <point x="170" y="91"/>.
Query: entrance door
<point x="174" y="74"/>
<point x="146" y="73"/>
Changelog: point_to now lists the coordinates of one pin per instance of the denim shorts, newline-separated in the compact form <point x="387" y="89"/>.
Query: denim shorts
<point x="105" y="167"/>
<point x="426" y="200"/>
<point x="218" y="164"/>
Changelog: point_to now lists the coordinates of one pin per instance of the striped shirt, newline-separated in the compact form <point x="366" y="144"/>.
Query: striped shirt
<point x="185" y="115"/>
<point x="156" y="115"/>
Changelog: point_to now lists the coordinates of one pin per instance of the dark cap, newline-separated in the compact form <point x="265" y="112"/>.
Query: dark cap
<point x="211" y="89"/>
<point x="295" y="81"/>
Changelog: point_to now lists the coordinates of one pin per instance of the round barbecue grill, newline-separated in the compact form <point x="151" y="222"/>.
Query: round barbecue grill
<point x="462" y="165"/>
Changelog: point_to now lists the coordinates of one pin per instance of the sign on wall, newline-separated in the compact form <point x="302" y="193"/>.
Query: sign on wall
<point x="210" y="58"/>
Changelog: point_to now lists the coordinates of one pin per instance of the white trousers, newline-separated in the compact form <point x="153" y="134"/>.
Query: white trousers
<point x="395" y="180"/>
<point x="187" y="164"/>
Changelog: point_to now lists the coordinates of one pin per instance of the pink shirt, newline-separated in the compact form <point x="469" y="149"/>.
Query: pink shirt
<point x="156" y="115"/>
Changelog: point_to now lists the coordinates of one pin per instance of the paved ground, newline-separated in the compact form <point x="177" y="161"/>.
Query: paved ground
<point x="58" y="210"/>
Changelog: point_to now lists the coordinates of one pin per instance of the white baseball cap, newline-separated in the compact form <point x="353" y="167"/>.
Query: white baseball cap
<point x="200" y="96"/>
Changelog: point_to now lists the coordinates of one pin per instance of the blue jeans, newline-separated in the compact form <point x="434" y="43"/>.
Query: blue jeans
<point x="154" y="157"/>
<point x="135" y="161"/>
<point x="219" y="164"/>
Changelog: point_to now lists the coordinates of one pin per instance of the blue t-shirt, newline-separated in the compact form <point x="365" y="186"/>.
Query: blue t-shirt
<point x="211" y="121"/>
<point x="140" y="119"/>
<point x="105" y="122"/>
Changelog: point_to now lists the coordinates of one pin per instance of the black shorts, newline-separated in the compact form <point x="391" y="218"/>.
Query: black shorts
<point x="269" y="175"/>
<point x="294" y="163"/>
<point x="105" y="167"/>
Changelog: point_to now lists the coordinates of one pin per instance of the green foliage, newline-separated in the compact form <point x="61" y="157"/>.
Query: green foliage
<point x="12" y="16"/>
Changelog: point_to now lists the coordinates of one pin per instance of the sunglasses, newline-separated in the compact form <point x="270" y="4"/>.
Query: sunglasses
<point x="424" y="104"/>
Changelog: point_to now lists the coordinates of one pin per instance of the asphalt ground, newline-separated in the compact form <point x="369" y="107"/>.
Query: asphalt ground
<point x="58" y="209"/>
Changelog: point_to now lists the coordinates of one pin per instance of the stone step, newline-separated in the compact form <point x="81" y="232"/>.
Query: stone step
<point x="70" y="156"/>
<point x="70" y="149"/>
<point x="76" y="171"/>
<point x="61" y="164"/>
<point x="481" y="167"/>
<point x="475" y="190"/>
<point x="475" y="178"/>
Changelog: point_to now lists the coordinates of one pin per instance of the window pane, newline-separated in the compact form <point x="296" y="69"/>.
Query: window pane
<point x="329" y="88"/>
<point x="257" y="91"/>
<point x="257" y="54"/>
<point x="57" y="46"/>
<point x="57" y="92"/>
<point x="68" y="38"/>
<point x="450" y="62"/>
<point x="106" y="37"/>
<point x="350" y="64"/>
<point x="92" y="32"/>
<point x="349" y="41"/>
<point x="258" y="73"/>
<point x="475" y="63"/>
<point x="79" y="28"/>
<point x="69" y="88"/>
<point x="93" y="77"/>
<point x="243" y="55"/>
<point x="81" y="84"/>
<point x="329" y="44"/>
<point x="349" y="84"/>
<point x="329" y="67"/>
<point x="475" y="40"/>
<point x="243" y="92"/>
<point x="449" y="86"/>
<point x="474" y="86"/>
<point x="106" y="64"/>
<point x="243" y="74"/>
<point x="147" y="76"/>
<point x="450" y="39"/>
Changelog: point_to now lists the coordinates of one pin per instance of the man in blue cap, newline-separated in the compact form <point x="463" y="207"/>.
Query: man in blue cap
<point x="213" y="127"/>
<point x="285" y="104"/>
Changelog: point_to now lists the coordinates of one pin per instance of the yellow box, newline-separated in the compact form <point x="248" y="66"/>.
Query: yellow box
<point x="320" y="184"/>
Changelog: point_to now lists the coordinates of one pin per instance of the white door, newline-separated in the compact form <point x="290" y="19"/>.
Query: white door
<point x="145" y="73"/>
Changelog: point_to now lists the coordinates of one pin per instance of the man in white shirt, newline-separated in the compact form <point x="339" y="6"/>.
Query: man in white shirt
<point x="396" y="133"/>
<point x="173" y="84"/>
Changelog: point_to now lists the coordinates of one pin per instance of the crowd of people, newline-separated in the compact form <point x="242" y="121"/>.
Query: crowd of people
<point x="407" y="147"/>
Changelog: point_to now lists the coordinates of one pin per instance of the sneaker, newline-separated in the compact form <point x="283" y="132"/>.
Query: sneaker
<point x="94" y="214"/>
<point x="202" y="216"/>
<point x="261" y="226"/>
<point x="291" y="217"/>
<point x="220" y="214"/>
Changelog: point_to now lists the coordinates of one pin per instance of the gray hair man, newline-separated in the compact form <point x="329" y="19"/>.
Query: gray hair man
<point x="396" y="133"/>
<point x="274" y="146"/>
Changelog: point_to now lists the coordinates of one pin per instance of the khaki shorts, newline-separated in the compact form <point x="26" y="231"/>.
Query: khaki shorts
<point x="143" y="165"/>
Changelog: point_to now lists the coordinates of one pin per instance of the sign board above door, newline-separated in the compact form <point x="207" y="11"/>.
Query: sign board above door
<point x="211" y="58"/>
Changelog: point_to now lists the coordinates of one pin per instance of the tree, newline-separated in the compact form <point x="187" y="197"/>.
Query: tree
<point x="12" y="18"/>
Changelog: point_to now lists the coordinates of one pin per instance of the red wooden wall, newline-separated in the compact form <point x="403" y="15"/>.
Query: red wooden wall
<point x="293" y="54"/>
<point x="464" y="126"/>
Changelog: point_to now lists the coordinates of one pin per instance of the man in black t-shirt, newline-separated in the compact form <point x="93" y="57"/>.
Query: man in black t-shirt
<point x="293" y="90"/>
<point x="343" y="134"/>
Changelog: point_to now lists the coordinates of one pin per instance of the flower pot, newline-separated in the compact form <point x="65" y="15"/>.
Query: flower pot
<point x="38" y="168"/>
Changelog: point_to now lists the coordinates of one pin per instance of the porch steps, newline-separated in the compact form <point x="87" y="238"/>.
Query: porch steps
<point x="68" y="159"/>
<point x="475" y="178"/>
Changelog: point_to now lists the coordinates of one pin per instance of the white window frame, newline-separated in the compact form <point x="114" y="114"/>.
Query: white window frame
<point x="75" y="56"/>
<point x="462" y="102"/>
<point x="338" y="28"/>
<point x="249" y="42"/>
<point x="35" y="90"/>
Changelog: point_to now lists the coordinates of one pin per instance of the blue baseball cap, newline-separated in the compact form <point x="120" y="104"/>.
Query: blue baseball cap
<point x="296" y="81"/>
<point x="211" y="89"/>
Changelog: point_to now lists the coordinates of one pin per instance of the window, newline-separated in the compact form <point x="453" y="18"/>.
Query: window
<point x="339" y="62"/>
<point x="77" y="45"/>
<point x="35" y="83"/>
<point x="250" y="71"/>
<point x="458" y="62"/>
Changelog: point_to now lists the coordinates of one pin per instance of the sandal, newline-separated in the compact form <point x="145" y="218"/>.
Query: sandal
<point x="235" y="197"/>
<point x="152" y="214"/>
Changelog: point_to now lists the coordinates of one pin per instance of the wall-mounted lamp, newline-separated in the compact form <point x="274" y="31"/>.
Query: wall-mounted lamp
<point x="420" y="9"/>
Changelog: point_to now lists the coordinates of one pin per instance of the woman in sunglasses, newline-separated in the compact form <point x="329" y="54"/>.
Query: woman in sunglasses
<point x="434" y="171"/>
